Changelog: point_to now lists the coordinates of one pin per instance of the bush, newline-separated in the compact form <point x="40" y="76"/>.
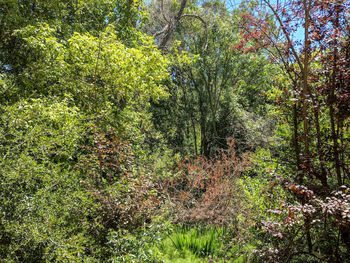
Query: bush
<point x="207" y="190"/>
<point x="59" y="200"/>
<point x="43" y="206"/>
<point x="302" y="217"/>
<point x="137" y="246"/>
<point x="126" y="200"/>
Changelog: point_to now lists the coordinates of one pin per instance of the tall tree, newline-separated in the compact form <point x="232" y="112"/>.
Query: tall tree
<point x="212" y="91"/>
<point x="310" y="96"/>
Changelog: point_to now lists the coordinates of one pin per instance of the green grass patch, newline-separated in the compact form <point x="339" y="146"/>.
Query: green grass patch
<point x="199" y="245"/>
<point x="202" y="242"/>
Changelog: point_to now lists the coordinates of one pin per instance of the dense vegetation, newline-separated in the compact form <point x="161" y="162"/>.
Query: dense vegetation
<point x="174" y="131"/>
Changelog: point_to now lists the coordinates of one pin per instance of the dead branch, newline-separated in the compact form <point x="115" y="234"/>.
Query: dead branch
<point x="167" y="31"/>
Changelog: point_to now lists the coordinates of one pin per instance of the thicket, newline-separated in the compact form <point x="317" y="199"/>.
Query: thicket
<point x="174" y="131"/>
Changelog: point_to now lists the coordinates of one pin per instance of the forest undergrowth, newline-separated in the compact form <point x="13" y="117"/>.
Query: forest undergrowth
<point x="174" y="131"/>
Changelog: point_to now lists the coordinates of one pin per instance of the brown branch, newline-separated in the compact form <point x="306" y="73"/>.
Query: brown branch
<point x="169" y="28"/>
<point x="162" y="10"/>
<point x="172" y="23"/>
<point x="203" y="22"/>
<point x="290" y="43"/>
<point x="161" y="31"/>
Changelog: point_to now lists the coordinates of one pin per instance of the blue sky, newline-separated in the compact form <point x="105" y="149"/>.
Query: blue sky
<point x="299" y="34"/>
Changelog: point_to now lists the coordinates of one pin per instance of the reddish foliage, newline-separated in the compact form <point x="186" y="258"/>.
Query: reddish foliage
<point x="207" y="190"/>
<point x="126" y="200"/>
<point x="311" y="212"/>
<point x="112" y="154"/>
<point x="319" y="73"/>
<point x="259" y="30"/>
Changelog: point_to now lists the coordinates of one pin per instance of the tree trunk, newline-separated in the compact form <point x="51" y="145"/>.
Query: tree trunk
<point x="323" y="175"/>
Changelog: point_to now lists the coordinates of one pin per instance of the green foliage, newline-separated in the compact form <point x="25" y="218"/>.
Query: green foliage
<point x="43" y="206"/>
<point x="105" y="139"/>
<point x="103" y="76"/>
<point x="191" y="243"/>
<point x="95" y="70"/>
<point x="221" y="94"/>
<point x="44" y="129"/>
<point x="52" y="210"/>
<point x="200" y="243"/>
<point x="139" y="245"/>
<point x="68" y="16"/>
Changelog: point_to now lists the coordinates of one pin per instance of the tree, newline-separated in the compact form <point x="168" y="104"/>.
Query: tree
<point x="171" y="19"/>
<point x="306" y="97"/>
<point x="208" y="97"/>
<point x="67" y="17"/>
<point x="65" y="85"/>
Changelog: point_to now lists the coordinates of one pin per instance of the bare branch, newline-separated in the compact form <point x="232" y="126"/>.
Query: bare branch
<point x="162" y="10"/>
<point x="182" y="8"/>
<point x="203" y="22"/>
<point x="194" y="16"/>
<point x="173" y="22"/>
<point x="290" y="43"/>
<point x="161" y="31"/>
<point x="168" y="30"/>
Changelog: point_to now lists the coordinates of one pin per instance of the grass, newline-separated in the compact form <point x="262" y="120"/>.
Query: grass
<point x="196" y="244"/>
<point x="199" y="241"/>
<point x="199" y="245"/>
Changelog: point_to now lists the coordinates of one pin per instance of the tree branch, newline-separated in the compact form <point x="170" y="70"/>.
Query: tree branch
<point x="290" y="43"/>
<point x="162" y="10"/>
<point x="203" y="22"/>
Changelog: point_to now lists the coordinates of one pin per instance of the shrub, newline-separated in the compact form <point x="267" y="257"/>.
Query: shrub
<point x="308" y="228"/>
<point x="126" y="200"/>
<point x="49" y="210"/>
<point x="43" y="208"/>
<point x="137" y="246"/>
<point x="207" y="190"/>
